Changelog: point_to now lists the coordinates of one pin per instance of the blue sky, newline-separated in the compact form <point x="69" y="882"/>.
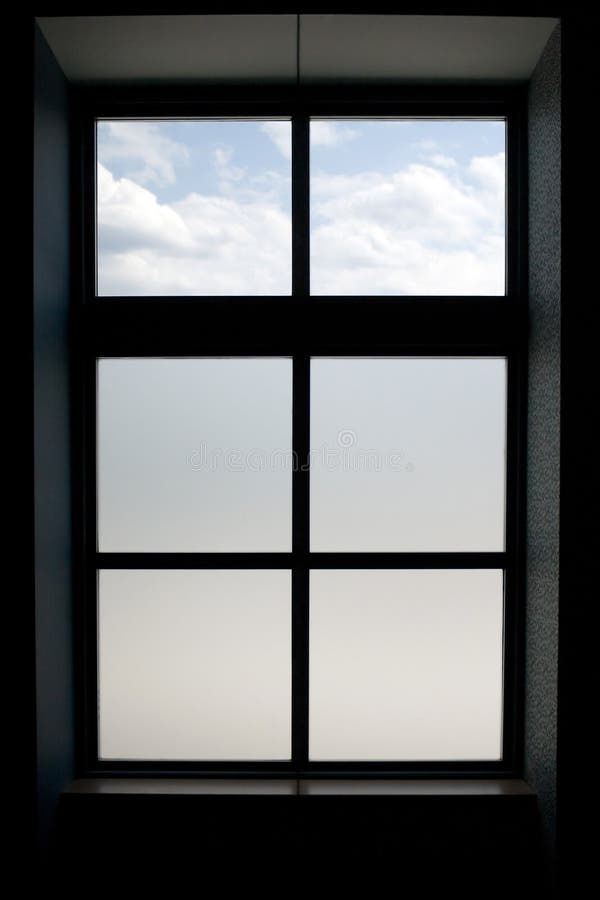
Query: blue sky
<point x="200" y="207"/>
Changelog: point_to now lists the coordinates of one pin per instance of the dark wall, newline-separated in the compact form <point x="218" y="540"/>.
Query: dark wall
<point x="52" y="437"/>
<point x="579" y="619"/>
<point x="543" y="434"/>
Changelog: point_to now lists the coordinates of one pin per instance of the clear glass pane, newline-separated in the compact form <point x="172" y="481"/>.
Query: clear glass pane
<point x="194" y="664"/>
<point x="406" y="665"/>
<point x="193" y="207"/>
<point x="408" y="454"/>
<point x="407" y="206"/>
<point x="194" y="455"/>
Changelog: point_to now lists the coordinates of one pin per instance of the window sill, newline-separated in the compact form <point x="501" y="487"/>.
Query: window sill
<point x="406" y="787"/>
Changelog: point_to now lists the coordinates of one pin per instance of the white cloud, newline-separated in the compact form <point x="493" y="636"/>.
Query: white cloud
<point x="419" y="230"/>
<point x="129" y="216"/>
<point x="429" y="151"/>
<point x="281" y="135"/>
<point x="330" y="134"/>
<point x="228" y="175"/>
<point x="422" y="229"/>
<point x="490" y="171"/>
<point x="444" y="162"/>
<point x="222" y="157"/>
<point x="419" y="201"/>
<point x="489" y="174"/>
<point x="199" y="245"/>
<point x="364" y="260"/>
<point x="141" y="143"/>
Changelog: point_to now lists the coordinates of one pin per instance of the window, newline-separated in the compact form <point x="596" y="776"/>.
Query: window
<point x="302" y="356"/>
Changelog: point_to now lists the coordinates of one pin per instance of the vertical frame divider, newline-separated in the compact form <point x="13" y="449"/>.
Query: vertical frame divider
<point x="301" y="444"/>
<point x="300" y="570"/>
<point x="300" y="206"/>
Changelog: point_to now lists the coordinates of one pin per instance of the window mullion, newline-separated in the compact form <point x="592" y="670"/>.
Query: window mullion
<point x="301" y="445"/>
<point x="300" y="546"/>
<point x="300" y="206"/>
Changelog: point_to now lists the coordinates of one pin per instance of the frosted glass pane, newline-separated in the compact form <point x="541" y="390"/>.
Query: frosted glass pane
<point x="407" y="207"/>
<point x="194" y="455"/>
<point x="196" y="207"/>
<point x="408" y="454"/>
<point x="406" y="665"/>
<point x="194" y="664"/>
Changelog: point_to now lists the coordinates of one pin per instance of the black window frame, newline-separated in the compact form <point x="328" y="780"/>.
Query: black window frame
<point x="299" y="326"/>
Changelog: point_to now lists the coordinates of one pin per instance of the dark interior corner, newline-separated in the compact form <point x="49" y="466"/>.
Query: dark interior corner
<point x="531" y="842"/>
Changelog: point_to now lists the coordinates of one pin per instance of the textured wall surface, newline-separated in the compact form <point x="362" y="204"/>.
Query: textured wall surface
<point x="543" y="435"/>
<point x="52" y="440"/>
